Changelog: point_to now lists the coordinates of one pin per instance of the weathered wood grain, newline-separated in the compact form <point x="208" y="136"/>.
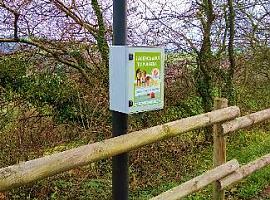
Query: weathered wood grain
<point x="245" y="121"/>
<point x="199" y="182"/>
<point x="27" y="172"/>
<point x="219" y="148"/>
<point x="244" y="171"/>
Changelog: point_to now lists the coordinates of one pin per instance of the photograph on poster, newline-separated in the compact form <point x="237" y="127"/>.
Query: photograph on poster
<point x="147" y="82"/>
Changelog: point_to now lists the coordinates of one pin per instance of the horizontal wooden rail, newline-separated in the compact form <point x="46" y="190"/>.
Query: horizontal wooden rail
<point x="27" y="172"/>
<point x="245" y="121"/>
<point x="244" y="171"/>
<point x="199" y="182"/>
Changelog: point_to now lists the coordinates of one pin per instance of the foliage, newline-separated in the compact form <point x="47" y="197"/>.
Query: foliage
<point x="51" y="92"/>
<point x="54" y="94"/>
<point x="244" y="146"/>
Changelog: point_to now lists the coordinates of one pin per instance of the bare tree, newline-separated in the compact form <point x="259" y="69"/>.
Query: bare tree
<point x="72" y="33"/>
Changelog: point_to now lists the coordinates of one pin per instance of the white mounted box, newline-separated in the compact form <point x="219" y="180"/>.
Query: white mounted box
<point x="136" y="79"/>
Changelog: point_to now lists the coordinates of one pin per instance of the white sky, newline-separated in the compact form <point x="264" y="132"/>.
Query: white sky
<point x="42" y="25"/>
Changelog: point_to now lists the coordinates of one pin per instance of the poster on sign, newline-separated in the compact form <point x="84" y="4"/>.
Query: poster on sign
<point x="136" y="79"/>
<point x="147" y="79"/>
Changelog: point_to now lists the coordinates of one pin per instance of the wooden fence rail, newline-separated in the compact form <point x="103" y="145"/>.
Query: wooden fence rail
<point x="245" y="171"/>
<point x="33" y="170"/>
<point x="224" y="174"/>
<point x="245" y="121"/>
<point x="199" y="182"/>
<point x="227" y="174"/>
<point x="230" y="178"/>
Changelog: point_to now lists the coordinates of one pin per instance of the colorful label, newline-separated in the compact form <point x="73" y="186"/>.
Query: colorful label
<point x="147" y="80"/>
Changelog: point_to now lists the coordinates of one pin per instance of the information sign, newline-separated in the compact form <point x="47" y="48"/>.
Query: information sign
<point x="140" y="87"/>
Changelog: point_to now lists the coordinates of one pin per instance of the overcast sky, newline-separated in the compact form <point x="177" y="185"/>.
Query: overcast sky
<point x="37" y="20"/>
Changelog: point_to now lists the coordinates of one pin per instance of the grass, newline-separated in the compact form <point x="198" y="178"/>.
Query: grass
<point x="157" y="168"/>
<point x="174" y="166"/>
<point x="252" y="145"/>
<point x="245" y="146"/>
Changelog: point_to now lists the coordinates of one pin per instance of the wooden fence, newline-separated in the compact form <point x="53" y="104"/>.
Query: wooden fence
<point x="223" y="175"/>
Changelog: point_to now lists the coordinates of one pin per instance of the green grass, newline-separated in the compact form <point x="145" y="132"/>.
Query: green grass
<point x="252" y="145"/>
<point x="94" y="181"/>
<point x="167" y="164"/>
<point x="245" y="146"/>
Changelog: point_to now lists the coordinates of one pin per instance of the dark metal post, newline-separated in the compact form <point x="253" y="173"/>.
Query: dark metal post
<point x="119" y="120"/>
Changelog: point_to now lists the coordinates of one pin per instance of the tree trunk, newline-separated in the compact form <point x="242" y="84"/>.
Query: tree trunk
<point x="229" y="88"/>
<point x="205" y="61"/>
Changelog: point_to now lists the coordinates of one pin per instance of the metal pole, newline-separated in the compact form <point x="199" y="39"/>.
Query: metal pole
<point x="119" y="120"/>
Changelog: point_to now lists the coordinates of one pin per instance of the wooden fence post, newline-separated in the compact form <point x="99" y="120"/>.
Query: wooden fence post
<point x="219" y="154"/>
